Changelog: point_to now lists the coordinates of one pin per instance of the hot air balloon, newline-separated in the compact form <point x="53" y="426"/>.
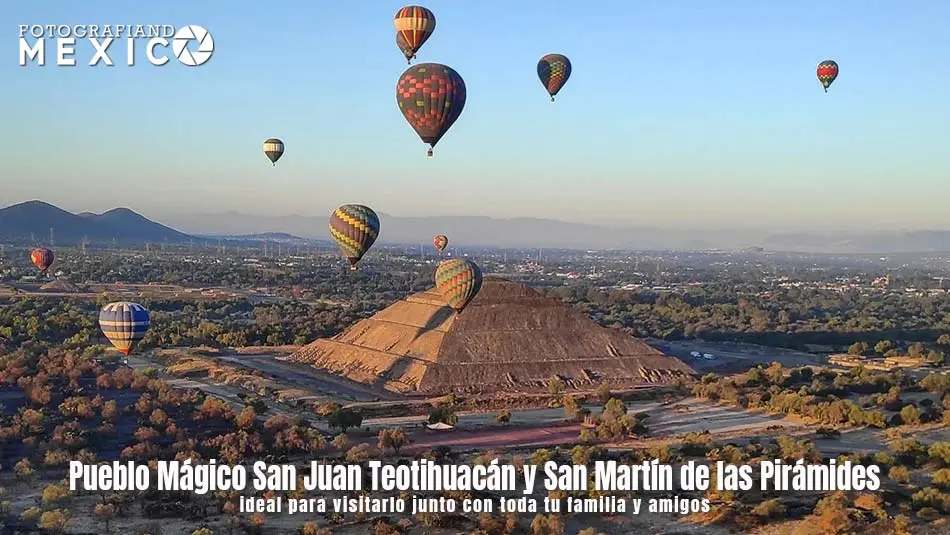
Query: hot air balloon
<point x="414" y="25"/>
<point x="404" y="47"/>
<point x="441" y="242"/>
<point x="554" y="70"/>
<point x="124" y="324"/>
<point x="431" y="97"/>
<point x="274" y="149"/>
<point x="354" y="227"/>
<point x="827" y="72"/>
<point x="458" y="280"/>
<point x="42" y="258"/>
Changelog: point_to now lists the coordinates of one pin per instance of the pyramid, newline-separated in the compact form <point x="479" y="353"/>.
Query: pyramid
<point x="510" y="338"/>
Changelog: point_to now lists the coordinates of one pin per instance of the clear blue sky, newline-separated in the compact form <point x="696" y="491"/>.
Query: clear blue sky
<point x="679" y="112"/>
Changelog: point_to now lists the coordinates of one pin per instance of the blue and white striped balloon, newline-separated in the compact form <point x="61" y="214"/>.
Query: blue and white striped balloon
<point x="124" y="324"/>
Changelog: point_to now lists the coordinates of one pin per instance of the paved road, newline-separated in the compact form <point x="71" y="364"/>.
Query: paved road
<point x="728" y="354"/>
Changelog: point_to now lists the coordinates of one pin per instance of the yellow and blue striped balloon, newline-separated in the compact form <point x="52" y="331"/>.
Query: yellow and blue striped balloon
<point x="458" y="280"/>
<point x="354" y="228"/>
<point x="124" y="324"/>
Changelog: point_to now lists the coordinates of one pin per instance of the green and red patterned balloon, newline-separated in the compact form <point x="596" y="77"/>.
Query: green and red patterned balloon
<point x="354" y="228"/>
<point x="827" y="72"/>
<point x="458" y="280"/>
<point x="431" y="98"/>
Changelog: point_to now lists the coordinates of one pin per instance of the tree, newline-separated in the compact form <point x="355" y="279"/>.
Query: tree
<point x="54" y="494"/>
<point x="614" y="409"/>
<point x="556" y="386"/>
<point x="939" y="384"/>
<point x="256" y="403"/>
<point x="246" y="419"/>
<point x="883" y="347"/>
<point x="910" y="415"/>
<point x="543" y="524"/>
<point x="603" y="392"/>
<point x="54" y="521"/>
<point x="831" y="513"/>
<point x="941" y="479"/>
<point x="359" y="453"/>
<point x="105" y="512"/>
<point x="344" y="419"/>
<point x="158" y="418"/>
<point x="571" y="407"/>
<point x="858" y="348"/>
<point x="340" y="442"/>
<point x="769" y="509"/>
<point x="109" y="410"/>
<point x="939" y="452"/>
<point x="937" y="358"/>
<point x="23" y="468"/>
<point x="392" y="438"/>
<point x="443" y="415"/>
<point x="899" y="474"/>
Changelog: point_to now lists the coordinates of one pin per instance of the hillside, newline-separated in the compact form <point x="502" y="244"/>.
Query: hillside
<point x="510" y="338"/>
<point x="31" y="222"/>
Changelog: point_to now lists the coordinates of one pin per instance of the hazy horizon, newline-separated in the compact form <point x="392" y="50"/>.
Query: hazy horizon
<point x="192" y="222"/>
<point x="676" y="116"/>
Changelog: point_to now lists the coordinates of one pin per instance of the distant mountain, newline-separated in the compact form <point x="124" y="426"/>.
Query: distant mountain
<point x="548" y="233"/>
<point x="462" y="231"/>
<point x="20" y="221"/>
<point x="32" y="221"/>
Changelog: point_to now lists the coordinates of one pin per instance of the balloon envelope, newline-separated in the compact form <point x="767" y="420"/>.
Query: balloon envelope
<point x="354" y="228"/>
<point x="553" y="71"/>
<point x="431" y="98"/>
<point x="414" y="25"/>
<point x="459" y="281"/>
<point x="441" y="242"/>
<point x="827" y="72"/>
<point x="124" y="324"/>
<point x="273" y="149"/>
<point x="404" y="47"/>
<point x="42" y="258"/>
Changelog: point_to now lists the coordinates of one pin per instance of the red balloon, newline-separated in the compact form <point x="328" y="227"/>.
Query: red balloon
<point x="441" y="242"/>
<point x="42" y="258"/>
